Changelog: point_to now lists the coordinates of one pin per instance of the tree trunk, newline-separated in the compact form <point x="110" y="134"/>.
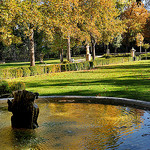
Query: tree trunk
<point x="68" y="50"/>
<point x="31" y="48"/>
<point x="115" y="50"/>
<point x="93" y="47"/>
<point x="61" y="55"/>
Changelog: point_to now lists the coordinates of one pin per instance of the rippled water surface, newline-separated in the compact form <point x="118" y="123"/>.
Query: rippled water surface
<point x="74" y="126"/>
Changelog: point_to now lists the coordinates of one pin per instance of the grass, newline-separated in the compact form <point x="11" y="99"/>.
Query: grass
<point x="27" y="64"/>
<point x="128" y="80"/>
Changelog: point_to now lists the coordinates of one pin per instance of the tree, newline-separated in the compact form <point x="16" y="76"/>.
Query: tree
<point x="58" y="43"/>
<point x="139" y="40"/>
<point x="30" y="16"/>
<point x="100" y="22"/>
<point x="135" y="17"/>
<point x="8" y="14"/>
<point x="146" y="46"/>
<point x="147" y="29"/>
<point x="117" y="42"/>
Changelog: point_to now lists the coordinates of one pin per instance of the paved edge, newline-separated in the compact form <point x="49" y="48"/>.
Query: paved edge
<point x="91" y="99"/>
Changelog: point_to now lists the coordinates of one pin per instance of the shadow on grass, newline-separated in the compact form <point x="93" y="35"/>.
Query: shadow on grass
<point x="120" y="81"/>
<point x="11" y="65"/>
<point x="125" y="88"/>
<point x="22" y="64"/>
<point x="120" y="94"/>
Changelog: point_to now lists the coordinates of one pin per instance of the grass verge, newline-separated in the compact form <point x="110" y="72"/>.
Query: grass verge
<point x="128" y="80"/>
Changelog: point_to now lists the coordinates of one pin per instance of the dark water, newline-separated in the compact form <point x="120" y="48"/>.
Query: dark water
<point x="79" y="127"/>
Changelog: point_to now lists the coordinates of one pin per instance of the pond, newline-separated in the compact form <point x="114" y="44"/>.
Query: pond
<point x="79" y="126"/>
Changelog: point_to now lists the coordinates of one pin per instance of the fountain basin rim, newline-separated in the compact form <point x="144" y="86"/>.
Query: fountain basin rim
<point x="91" y="99"/>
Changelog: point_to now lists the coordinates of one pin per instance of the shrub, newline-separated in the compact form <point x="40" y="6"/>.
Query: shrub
<point x="50" y="69"/>
<point x="145" y="56"/>
<point x="4" y="87"/>
<point x="26" y="71"/>
<point x="65" y="62"/>
<point x="63" y="67"/>
<point x="14" y="86"/>
<point x="5" y="74"/>
<point x="16" y="73"/>
<point x="36" y="70"/>
<point x="11" y="73"/>
<point x="71" y="67"/>
<point x="79" y="66"/>
<point x="86" y="65"/>
<point x="67" y="68"/>
<point x="57" y="68"/>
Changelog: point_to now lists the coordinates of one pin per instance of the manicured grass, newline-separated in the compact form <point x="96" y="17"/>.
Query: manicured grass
<point x="24" y="64"/>
<point x="27" y="64"/>
<point x="128" y="80"/>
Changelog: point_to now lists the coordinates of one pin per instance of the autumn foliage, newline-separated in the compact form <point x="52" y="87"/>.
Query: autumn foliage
<point x="91" y="22"/>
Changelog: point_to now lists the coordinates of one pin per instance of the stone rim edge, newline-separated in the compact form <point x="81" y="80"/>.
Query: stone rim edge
<point x="92" y="99"/>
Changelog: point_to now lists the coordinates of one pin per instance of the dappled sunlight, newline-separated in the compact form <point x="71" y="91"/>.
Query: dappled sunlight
<point x="115" y="80"/>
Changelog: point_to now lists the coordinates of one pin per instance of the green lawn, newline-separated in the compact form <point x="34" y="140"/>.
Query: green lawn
<point x="27" y="64"/>
<point x="128" y="80"/>
<point x="23" y="64"/>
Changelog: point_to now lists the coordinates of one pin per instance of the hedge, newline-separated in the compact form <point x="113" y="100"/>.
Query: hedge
<point x="112" y="60"/>
<point x="6" y="87"/>
<point x="52" y="68"/>
<point x="38" y="70"/>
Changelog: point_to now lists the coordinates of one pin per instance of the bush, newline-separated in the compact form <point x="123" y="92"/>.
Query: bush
<point x="4" y="87"/>
<point x="11" y="73"/>
<point x="79" y="66"/>
<point x="63" y="68"/>
<point x="50" y="69"/>
<point x="14" y="86"/>
<point x="36" y="70"/>
<point x="57" y="68"/>
<point x="5" y="74"/>
<point x="16" y="73"/>
<point x="26" y="71"/>
<point x="112" y="60"/>
<point x="116" y="55"/>
<point x="145" y="56"/>
<point x="86" y="65"/>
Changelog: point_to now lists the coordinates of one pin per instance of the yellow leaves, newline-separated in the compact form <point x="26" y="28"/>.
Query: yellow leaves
<point x="139" y="39"/>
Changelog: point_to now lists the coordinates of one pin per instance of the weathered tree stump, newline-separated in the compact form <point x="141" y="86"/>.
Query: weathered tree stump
<point x="25" y="111"/>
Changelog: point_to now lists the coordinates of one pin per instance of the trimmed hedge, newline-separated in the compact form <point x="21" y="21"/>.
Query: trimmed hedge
<point x="38" y="70"/>
<point x="112" y="60"/>
<point x="145" y="56"/>
<point x="6" y="87"/>
<point x="52" y="68"/>
<point x="11" y="73"/>
<point x="26" y="71"/>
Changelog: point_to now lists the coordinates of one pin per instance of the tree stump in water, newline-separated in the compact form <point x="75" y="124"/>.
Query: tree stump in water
<point x="25" y="111"/>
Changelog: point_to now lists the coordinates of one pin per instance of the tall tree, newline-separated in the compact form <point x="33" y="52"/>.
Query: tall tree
<point x="8" y="15"/>
<point x="135" y="17"/>
<point x="29" y="15"/>
<point x="101" y="21"/>
<point x="147" y="29"/>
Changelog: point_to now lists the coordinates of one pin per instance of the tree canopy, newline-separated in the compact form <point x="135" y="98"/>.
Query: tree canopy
<point x="59" y="21"/>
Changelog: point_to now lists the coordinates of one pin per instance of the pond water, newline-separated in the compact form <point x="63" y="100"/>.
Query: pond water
<point x="79" y="126"/>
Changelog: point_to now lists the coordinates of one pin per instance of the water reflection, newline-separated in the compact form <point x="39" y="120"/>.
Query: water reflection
<point x="77" y="126"/>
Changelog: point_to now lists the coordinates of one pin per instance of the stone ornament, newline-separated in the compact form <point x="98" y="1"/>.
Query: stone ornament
<point x="25" y="111"/>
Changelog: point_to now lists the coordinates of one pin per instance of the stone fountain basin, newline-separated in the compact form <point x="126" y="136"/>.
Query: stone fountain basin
<point x="90" y="99"/>
<point x="96" y="100"/>
<point x="81" y="122"/>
